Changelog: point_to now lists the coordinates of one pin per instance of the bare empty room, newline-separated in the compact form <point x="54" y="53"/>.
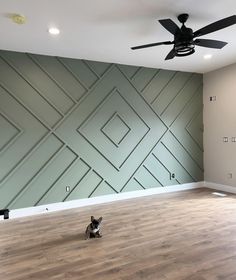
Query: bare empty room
<point x="117" y="140"/>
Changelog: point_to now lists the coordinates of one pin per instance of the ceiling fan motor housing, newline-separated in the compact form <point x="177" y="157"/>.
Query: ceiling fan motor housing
<point x="184" y="44"/>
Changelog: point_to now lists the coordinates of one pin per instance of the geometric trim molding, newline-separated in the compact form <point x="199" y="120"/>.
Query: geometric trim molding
<point x="115" y="129"/>
<point x="75" y="129"/>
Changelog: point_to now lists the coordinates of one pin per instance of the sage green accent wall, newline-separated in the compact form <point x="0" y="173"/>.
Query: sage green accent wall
<point x="99" y="128"/>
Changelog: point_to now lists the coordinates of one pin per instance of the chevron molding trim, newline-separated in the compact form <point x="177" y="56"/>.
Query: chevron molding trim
<point x="97" y="128"/>
<point x="53" y="207"/>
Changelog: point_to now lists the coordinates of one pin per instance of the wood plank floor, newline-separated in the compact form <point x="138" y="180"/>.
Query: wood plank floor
<point x="188" y="235"/>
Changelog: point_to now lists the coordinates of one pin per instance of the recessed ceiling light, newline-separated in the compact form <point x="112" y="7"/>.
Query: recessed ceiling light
<point x="53" y="31"/>
<point x="207" y="56"/>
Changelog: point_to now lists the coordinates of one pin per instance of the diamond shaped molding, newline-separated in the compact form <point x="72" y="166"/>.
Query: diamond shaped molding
<point x="115" y="129"/>
<point x="91" y="129"/>
<point x="116" y="164"/>
<point x="99" y="128"/>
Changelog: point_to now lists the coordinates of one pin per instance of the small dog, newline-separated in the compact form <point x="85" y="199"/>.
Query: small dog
<point x="93" y="229"/>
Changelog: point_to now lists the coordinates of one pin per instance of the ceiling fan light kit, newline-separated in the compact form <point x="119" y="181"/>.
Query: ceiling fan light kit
<point x="185" y="39"/>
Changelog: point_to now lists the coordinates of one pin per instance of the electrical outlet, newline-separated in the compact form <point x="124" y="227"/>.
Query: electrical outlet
<point x="212" y="98"/>
<point x="225" y="139"/>
<point x="233" y="139"/>
<point x="67" y="188"/>
<point x="229" y="175"/>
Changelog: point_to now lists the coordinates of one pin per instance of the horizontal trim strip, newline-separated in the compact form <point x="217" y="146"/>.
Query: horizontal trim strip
<point x="220" y="187"/>
<point x="42" y="209"/>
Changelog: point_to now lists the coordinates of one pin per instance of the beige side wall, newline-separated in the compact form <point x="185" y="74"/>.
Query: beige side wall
<point x="219" y="122"/>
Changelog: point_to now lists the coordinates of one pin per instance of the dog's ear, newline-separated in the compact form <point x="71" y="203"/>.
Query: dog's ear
<point x="92" y="218"/>
<point x="100" y="219"/>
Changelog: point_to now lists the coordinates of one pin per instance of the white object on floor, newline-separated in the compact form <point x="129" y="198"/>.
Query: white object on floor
<point x="219" y="194"/>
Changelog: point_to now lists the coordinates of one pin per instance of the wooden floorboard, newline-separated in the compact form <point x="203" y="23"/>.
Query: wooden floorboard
<point x="189" y="235"/>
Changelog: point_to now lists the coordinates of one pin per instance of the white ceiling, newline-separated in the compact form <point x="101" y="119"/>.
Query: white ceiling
<point x="104" y="30"/>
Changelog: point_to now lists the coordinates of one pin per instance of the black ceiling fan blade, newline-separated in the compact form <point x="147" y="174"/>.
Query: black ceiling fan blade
<point x="170" y="55"/>
<point x="152" y="45"/>
<point x="168" y="24"/>
<point x="220" y="24"/>
<point x="215" y="44"/>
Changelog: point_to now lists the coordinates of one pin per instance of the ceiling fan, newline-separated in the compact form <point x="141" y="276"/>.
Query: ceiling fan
<point x="185" y="39"/>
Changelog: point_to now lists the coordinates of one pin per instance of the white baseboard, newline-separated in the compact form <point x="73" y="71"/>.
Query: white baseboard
<point x="24" y="212"/>
<point x="220" y="187"/>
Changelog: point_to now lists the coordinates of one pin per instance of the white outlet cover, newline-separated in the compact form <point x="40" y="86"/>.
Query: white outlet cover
<point x="212" y="98"/>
